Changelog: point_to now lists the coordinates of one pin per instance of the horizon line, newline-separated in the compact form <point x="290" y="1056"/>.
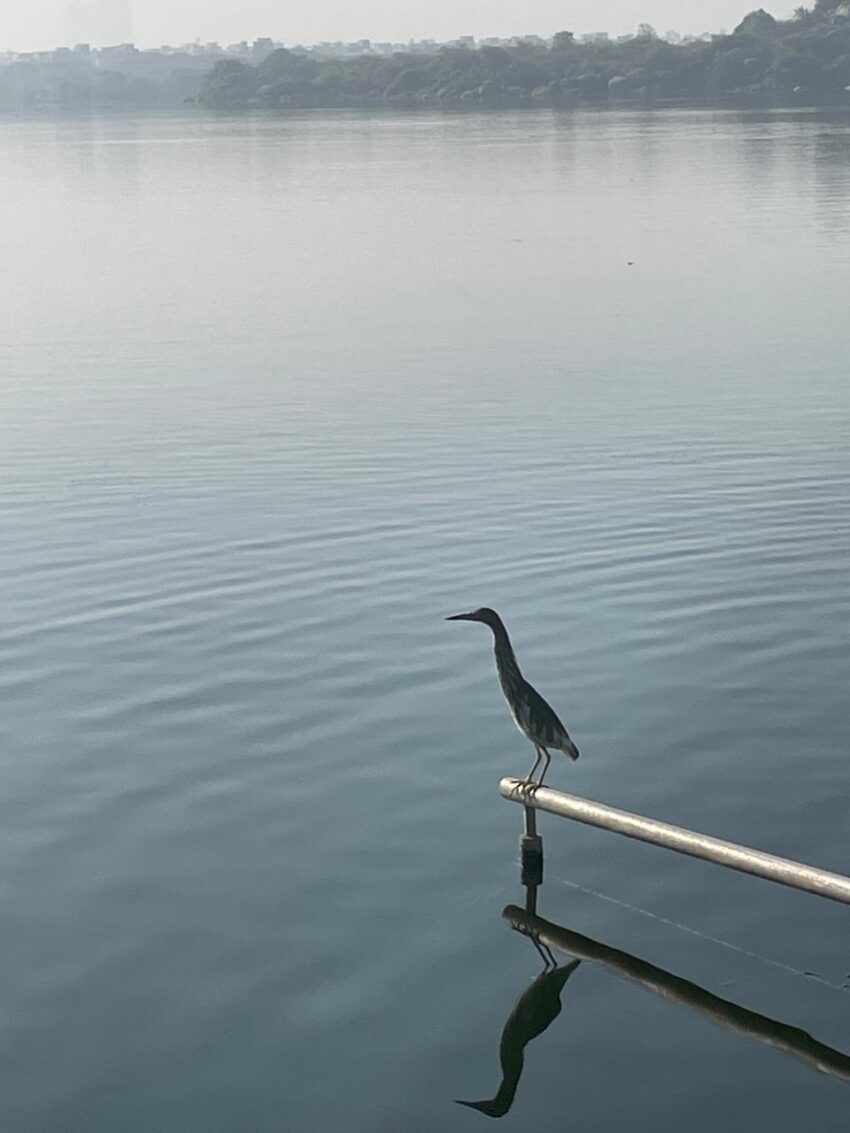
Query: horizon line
<point x="409" y="42"/>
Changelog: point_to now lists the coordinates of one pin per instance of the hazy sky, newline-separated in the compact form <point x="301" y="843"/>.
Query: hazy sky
<point x="39" y="24"/>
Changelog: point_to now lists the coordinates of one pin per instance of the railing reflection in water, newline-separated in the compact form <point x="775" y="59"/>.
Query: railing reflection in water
<point x="540" y="1004"/>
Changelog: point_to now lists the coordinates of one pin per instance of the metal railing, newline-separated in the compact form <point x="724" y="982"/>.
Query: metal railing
<point x="808" y="878"/>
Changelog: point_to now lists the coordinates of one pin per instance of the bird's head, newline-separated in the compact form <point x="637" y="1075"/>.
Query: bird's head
<point x="484" y="614"/>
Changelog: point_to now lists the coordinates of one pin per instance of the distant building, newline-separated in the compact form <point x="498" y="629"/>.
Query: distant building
<point x="262" y="47"/>
<point x="117" y="51"/>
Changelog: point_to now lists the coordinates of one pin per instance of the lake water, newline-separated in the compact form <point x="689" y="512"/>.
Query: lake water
<point x="277" y="396"/>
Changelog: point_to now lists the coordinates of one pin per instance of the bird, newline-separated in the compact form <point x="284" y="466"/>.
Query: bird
<point x="535" y="718"/>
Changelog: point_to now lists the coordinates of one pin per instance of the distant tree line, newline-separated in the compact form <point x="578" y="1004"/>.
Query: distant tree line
<point x="117" y="78"/>
<point x="803" y="59"/>
<point x="806" y="58"/>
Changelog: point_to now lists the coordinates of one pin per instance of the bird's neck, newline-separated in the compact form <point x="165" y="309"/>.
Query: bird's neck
<point x="506" y="662"/>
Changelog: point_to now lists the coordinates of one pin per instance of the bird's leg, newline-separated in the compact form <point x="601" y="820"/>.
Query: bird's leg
<point x="530" y="776"/>
<point x="529" y="779"/>
<point x="548" y="960"/>
<point x="546" y="767"/>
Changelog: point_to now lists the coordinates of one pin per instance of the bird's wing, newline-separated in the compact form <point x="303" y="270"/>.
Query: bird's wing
<point x="544" y="721"/>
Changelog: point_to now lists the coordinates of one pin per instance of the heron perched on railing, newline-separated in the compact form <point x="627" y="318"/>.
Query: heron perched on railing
<point x="532" y="715"/>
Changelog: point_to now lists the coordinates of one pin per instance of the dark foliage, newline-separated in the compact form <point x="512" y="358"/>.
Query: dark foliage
<point x="764" y="59"/>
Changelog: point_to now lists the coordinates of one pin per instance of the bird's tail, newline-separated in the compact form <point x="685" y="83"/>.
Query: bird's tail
<point x="570" y="749"/>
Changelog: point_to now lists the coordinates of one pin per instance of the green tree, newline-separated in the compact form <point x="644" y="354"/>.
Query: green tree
<point x="229" y="86"/>
<point x="283" y="64"/>
<point x="758" y="24"/>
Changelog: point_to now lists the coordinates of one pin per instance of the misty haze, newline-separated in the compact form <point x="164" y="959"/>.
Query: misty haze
<point x="311" y="341"/>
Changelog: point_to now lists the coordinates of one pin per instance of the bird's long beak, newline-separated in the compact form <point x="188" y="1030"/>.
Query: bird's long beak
<point x="461" y="618"/>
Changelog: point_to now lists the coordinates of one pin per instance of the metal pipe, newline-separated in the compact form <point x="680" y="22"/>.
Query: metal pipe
<point x="722" y="1012"/>
<point x="782" y="870"/>
<point x="531" y="850"/>
<point x="530" y="822"/>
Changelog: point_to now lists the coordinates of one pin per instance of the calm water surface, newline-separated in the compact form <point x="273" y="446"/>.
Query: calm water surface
<point x="276" y="397"/>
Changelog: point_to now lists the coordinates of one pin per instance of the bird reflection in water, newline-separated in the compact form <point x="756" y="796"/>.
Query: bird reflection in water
<point x="540" y="1004"/>
<point x="537" y="1007"/>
